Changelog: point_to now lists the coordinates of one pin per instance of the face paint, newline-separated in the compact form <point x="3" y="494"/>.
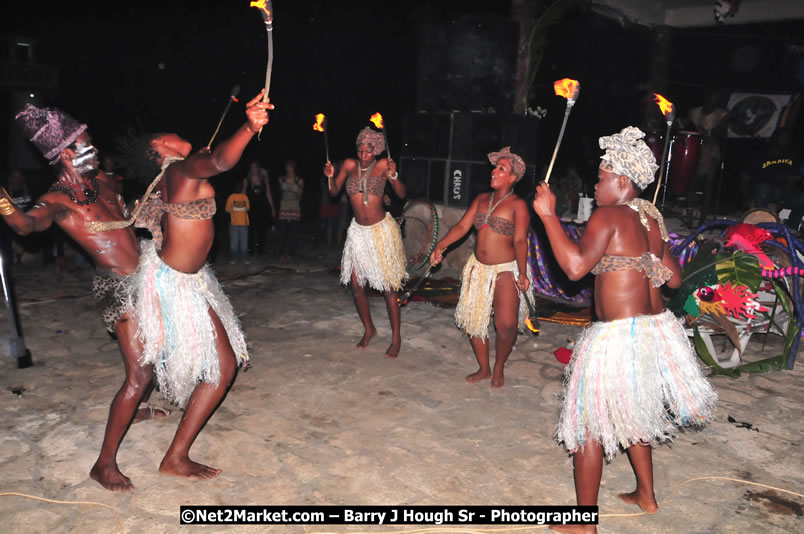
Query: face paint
<point x="86" y="158"/>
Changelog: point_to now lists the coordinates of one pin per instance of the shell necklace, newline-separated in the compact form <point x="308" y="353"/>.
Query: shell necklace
<point x="492" y="206"/>
<point x="362" y="179"/>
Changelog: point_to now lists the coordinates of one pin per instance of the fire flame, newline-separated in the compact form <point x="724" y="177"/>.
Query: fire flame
<point x="264" y="6"/>
<point x="319" y="122"/>
<point x="665" y="105"/>
<point x="531" y="326"/>
<point x="377" y="120"/>
<point x="568" y="88"/>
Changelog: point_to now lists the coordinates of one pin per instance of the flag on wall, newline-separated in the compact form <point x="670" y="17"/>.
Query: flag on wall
<point x="759" y="115"/>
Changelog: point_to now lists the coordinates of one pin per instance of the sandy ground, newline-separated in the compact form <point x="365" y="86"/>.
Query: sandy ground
<point x="316" y="422"/>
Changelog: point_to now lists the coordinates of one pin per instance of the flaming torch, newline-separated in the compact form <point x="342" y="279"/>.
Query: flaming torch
<point x="532" y="320"/>
<point x="569" y="89"/>
<point x="377" y="120"/>
<point x="267" y="12"/>
<point x="669" y="112"/>
<point x="321" y="126"/>
<point x="232" y="98"/>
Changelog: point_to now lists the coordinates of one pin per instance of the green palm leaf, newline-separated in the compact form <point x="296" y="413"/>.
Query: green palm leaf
<point x="739" y="268"/>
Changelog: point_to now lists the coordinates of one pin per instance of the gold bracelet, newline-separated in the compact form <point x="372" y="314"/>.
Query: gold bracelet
<point x="7" y="207"/>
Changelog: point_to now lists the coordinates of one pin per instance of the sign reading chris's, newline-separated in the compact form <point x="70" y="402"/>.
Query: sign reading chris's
<point x="458" y="177"/>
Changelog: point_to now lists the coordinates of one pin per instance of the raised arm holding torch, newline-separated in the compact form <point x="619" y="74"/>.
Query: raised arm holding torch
<point x="669" y="112"/>
<point x="569" y="89"/>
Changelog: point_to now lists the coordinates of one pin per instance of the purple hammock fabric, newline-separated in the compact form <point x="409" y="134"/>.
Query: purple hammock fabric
<point x="546" y="284"/>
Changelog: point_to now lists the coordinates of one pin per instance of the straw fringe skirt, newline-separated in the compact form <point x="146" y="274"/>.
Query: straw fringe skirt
<point x="630" y="381"/>
<point x="177" y="333"/>
<point x="375" y="254"/>
<point x="478" y="280"/>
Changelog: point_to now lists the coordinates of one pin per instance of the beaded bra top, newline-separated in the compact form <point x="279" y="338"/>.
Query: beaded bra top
<point x="497" y="224"/>
<point x="150" y="217"/>
<point x="365" y="183"/>
<point x="654" y="269"/>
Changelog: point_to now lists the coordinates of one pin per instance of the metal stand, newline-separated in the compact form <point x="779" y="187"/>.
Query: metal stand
<point x="16" y="344"/>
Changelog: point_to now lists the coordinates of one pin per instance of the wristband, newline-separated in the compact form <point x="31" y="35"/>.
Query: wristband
<point x="6" y="205"/>
<point x="393" y="176"/>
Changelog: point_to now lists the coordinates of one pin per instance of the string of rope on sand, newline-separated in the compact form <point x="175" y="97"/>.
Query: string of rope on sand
<point x="91" y="503"/>
<point x="453" y="530"/>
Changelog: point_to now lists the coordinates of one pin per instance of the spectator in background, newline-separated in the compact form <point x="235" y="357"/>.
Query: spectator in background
<point x="710" y="121"/>
<point x="329" y="215"/>
<point x="258" y="190"/>
<point x="774" y="177"/>
<point x="238" y="206"/>
<point x="292" y="188"/>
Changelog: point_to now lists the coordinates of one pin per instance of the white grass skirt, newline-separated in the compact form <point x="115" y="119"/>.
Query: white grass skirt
<point x="630" y="381"/>
<point x="177" y="333"/>
<point x="375" y="254"/>
<point x="478" y="280"/>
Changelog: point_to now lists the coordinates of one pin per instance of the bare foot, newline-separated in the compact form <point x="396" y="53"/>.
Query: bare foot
<point x="147" y="411"/>
<point x="478" y="376"/>
<point x="498" y="380"/>
<point x="186" y="468"/>
<point x="366" y="338"/>
<point x="573" y="528"/>
<point x="647" y="504"/>
<point x="393" y="349"/>
<point x="111" y="478"/>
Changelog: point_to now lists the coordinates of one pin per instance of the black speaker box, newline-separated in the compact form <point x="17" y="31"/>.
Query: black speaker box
<point x="467" y="64"/>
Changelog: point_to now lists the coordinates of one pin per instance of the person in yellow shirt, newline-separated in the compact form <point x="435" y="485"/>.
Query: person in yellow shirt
<point x="237" y="206"/>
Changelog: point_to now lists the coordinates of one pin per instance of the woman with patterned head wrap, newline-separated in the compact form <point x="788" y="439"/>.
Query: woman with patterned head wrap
<point x="495" y="276"/>
<point x="633" y="377"/>
<point x="373" y="252"/>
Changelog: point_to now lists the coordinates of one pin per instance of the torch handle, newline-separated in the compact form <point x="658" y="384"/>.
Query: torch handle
<point x="387" y="148"/>
<point x="269" y="29"/>
<point x="225" y="111"/>
<point x="406" y="296"/>
<point x="558" y="143"/>
<point x="664" y="162"/>
<point x="326" y="145"/>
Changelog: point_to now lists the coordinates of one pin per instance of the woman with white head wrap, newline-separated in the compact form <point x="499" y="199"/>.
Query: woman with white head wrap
<point x="633" y="378"/>
<point x="373" y="252"/>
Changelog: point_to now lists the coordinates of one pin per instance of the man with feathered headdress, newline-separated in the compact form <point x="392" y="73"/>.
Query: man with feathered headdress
<point x="84" y="195"/>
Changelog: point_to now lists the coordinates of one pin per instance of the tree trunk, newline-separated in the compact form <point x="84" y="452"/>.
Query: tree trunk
<point x="522" y="11"/>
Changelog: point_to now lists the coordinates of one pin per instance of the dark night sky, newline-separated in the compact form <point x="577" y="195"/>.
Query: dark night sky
<point x="172" y="68"/>
<point x="172" y="65"/>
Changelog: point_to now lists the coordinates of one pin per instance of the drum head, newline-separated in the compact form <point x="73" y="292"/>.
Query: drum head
<point x="760" y="215"/>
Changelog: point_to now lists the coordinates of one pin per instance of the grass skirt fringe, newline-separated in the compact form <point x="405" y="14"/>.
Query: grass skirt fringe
<point x="632" y="380"/>
<point x="376" y="255"/>
<point x="177" y="333"/>
<point x="478" y="280"/>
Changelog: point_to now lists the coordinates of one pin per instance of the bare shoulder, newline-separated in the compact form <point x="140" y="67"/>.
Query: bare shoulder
<point x="59" y="199"/>
<point x="519" y="203"/>
<point x="605" y="213"/>
<point x="482" y="197"/>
